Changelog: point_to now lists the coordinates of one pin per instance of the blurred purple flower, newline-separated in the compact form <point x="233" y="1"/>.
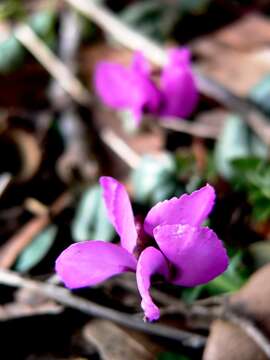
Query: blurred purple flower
<point x="132" y="88"/>
<point x="180" y="95"/>
<point x="186" y="253"/>
<point x="128" y="88"/>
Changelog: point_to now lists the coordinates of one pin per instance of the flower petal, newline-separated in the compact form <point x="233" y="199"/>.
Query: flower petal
<point x="120" y="211"/>
<point x="151" y="262"/>
<point x="196" y="253"/>
<point x="127" y="88"/>
<point x="179" y="56"/>
<point x="146" y="97"/>
<point x="140" y="63"/>
<point x="113" y="83"/>
<point x="91" y="262"/>
<point x="190" y="209"/>
<point x="178" y="85"/>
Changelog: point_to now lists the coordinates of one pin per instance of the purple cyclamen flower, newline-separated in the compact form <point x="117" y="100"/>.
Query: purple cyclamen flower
<point x="132" y="88"/>
<point x="128" y="88"/>
<point x="186" y="253"/>
<point x="180" y="95"/>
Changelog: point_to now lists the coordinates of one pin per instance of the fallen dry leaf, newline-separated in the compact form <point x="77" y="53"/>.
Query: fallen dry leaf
<point x="235" y="51"/>
<point x="16" y="310"/>
<point x="115" y="343"/>
<point x="228" y="341"/>
<point x="254" y="298"/>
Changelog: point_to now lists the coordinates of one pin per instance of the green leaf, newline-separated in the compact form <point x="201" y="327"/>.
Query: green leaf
<point x="231" y="280"/>
<point x="129" y="124"/>
<point x="247" y="165"/>
<point x="13" y="53"/>
<point x="253" y="176"/>
<point x="11" y="9"/>
<point x="258" y="147"/>
<point x="189" y="295"/>
<point x="261" y="209"/>
<point x="232" y="144"/>
<point x="43" y="24"/>
<point x="171" y="356"/>
<point x="154" y="179"/>
<point x="37" y="250"/>
<point x="260" y="253"/>
<point x="91" y="220"/>
<point x="152" y="18"/>
<point x="194" y="6"/>
<point x="260" y="94"/>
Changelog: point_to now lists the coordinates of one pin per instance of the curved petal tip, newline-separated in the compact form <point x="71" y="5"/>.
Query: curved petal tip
<point x="151" y="262"/>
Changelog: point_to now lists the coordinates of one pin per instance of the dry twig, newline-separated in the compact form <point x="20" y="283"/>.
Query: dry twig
<point x="120" y="147"/>
<point x="68" y="81"/>
<point x="14" y="246"/>
<point x="206" y="311"/>
<point x="192" y="128"/>
<point x="5" y="180"/>
<point x="250" y="330"/>
<point x="54" y="66"/>
<point x="63" y="296"/>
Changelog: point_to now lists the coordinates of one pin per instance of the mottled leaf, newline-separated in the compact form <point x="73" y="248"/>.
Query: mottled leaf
<point x="13" y="53"/>
<point x="155" y="179"/>
<point x="152" y="18"/>
<point x="37" y="250"/>
<point x="232" y="144"/>
<point x="260" y="94"/>
<point x="91" y="221"/>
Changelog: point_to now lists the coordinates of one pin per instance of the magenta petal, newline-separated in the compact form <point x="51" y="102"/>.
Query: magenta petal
<point x="113" y="83"/>
<point x="196" y="253"/>
<point x="140" y="64"/>
<point x="119" y="211"/>
<point x="151" y="262"/>
<point x="147" y="98"/>
<point x="127" y="88"/>
<point x="190" y="209"/>
<point x="180" y="94"/>
<point x="145" y="95"/>
<point x="179" y="56"/>
<point x="91" y="262"/>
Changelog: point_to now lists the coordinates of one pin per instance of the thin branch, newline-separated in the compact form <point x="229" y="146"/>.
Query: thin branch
<point x="121" y="32"/>
<point x="54" y="66"/>
<point x="227" y="313"/>
<point x="63" y="296"/>
<point x="135" y="41"/>
<point x="251" y="330"/>
<point x="162" y="298"/>
<point x="257" y="121"/>
<point x="61" y="73"/>
<point x="5" y="180"/>
<point x="192" y="128"/>
<point x="17" y="310"/>
<point x="14" y="246"/>
<point x="120" y="147"/>
<point x="75" y="159"/>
